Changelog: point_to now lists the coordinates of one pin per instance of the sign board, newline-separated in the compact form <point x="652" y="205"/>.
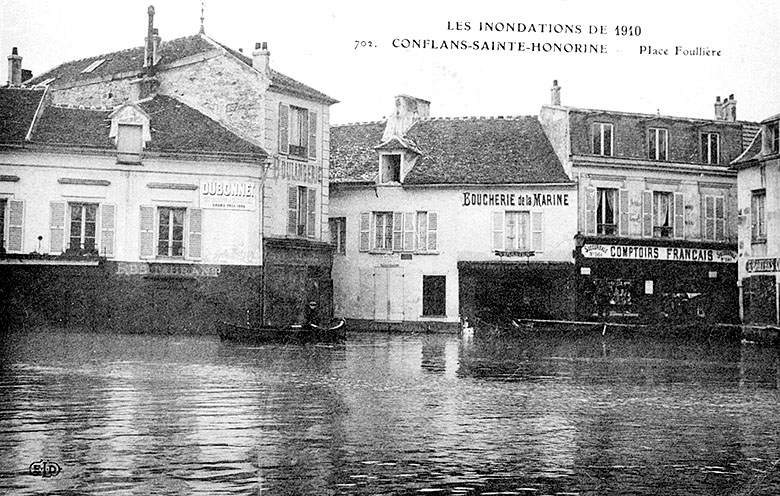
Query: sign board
<point x="167" y="270"/>
<point x="471" y="199"/>
<point x="228" y="195"/>
<point x="661" y="253"/>
<point x="758" y="265"/>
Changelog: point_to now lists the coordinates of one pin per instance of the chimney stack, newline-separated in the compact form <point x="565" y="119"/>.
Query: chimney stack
<point x="730" y="109"/>
<point x="555" y="93"/>
<point x="718" y="109"/>
<point x="261" y="57"/>
<point x="151" y="41"/>
<point x="14" y="68"/>
<point x="408" y="110"/>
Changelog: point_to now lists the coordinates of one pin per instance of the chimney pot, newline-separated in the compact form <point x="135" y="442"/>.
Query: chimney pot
<point x="258" y="45"/>
<point x="15" y="51"/>
<point x="555" y="93"/>
<point x="261" y="57"/>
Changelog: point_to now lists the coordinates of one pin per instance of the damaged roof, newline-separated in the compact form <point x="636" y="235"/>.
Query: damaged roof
<point x="454" y="151"/>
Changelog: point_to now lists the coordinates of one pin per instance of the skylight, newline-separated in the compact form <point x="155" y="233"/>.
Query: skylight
<point x="94" y="65"/>
<point x="46" y="82"/>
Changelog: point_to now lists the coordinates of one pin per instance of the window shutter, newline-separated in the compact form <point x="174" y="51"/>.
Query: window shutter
<point x="311" y="212"/>
<point x="146" y="249"/>
<point x="16" y="226"/>
<point x="284" y="131"/>
<point x="398" y="231"/>
<point x="498" y="231"/>
<point x="56" y="227"/>
<point x="730" y="215"/>
<point x="409" y="231"/>
<point x="195" y="234"/>
<point x="679" y="216"/>
<point x="292" y="210"/>
<point x="720" y="221"/>
<point x="623" y="212"/>
<point x="422" y="231"/>
<point x="365" y="231"/>
<point x="433" y="239"/>
<point x="709" y="217"/>
<point x="537" y="229"/>
<point x="107" y="229"/>
<point x="590" y="210"/>
<point x="647" y="213"/>
<point x="312" y="134"/>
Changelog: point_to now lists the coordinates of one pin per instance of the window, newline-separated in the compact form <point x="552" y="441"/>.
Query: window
<point x="434" y="296"/>
<point x="338" y="234"/>
<point x="710" y="148"/>
<point x="170" y="234"/>
<point x="606" y="210"/>
<point x="83" y="227"/>
<point x="302" y="211"/>
<point x="714" y="218"/>
<point x="129" y="143"/>
<point x="390" y="170"/>
<point x="662" y="214"/>
<point x="773" y="137"/>
<point x="297" y="131"/>
<point x="517" y="231"/>
<point x="602" y="138"/>
<point x="657" y="143"/>
<point x="399" y="231"/>
<point x="758" y="216"/>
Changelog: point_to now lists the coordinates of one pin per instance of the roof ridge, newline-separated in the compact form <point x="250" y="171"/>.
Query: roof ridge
<point x="124" y="50"/>
<point x="68" y="106"/>
<point x="364" y="123"/>
<point x="477" y="117"/>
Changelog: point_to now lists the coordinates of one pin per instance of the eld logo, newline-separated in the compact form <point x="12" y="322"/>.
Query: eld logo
<point x="44" y="468"/>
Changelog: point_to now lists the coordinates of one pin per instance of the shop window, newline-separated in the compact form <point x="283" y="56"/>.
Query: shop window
<point x="399" y="231"/>
<point x="714" y="218"/>
<point x="170" y="238"/>
<point x="602" y="136"/>
<point x="297" y="131"/>
<point x="606" y="211"/>
<point x="662" y="214"/>
<point x="338" y="234"/>
<point x="710" y="148"/>
<point x="434" y="296"/>
<point x="657" y="143"/>
<point x="390" y="168"/>
<point x="302" y="211"/>
<point x="758" y="216"/>
<point x="83" y="228"/>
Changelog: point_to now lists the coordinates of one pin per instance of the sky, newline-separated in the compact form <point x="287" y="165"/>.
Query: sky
<point x="320" y="44"/>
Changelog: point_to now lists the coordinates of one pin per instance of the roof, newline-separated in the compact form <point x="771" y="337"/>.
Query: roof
<point x="131" y="61"/>
<point x="752" y="152"/>
<point x="646" y="116"/>
<point x="174" y="127"/>
<point x="455" y="151"/>
<point x="17" y="111"/>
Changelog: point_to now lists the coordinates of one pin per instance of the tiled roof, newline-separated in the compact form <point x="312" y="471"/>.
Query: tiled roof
<point x="174" y="127"/>
<point x="132" y="60"/>
<point x="454" y="151"/>
<point x="752" y="152"/>
<point x="17" y="110"/>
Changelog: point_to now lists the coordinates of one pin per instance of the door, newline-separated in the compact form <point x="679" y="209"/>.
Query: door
<point x="388" y="294"/>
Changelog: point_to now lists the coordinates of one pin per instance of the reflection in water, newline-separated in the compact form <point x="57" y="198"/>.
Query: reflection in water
<point x="386" y="414"/>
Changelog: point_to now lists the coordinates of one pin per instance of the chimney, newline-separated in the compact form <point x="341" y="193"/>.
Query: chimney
<point x="555" y="93"/>
<point x="261" y="57"/>
<point x="150" y="45"/>
<point x="14" y="68"/>
<point x="408" y="110"/>
<point x="729" y="109"/>
<point x="718" y="109"/>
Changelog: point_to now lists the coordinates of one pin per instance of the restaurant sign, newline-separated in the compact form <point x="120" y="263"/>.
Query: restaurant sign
<point x="754" y="265"/>
<point x="228" y="195"/>
<point x="661" y="253"/>
<point x="167" y="270"/>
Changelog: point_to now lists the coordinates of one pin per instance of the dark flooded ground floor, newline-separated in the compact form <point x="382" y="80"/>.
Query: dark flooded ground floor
<point x="387" y="414"/>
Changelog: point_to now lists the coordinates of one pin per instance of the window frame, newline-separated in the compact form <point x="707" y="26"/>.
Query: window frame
<point x="758" y="232"/>
<point x="598" y="131"/>
<point x="338" y="234"/>
<point x="601" y="225"/>
<point x="389" y="171"/>
<point x="82" y="247"/>
<point x="299" y="128"/>
<point x="773" y="138"/>
<point x="302" y="220"/>
<point x="525" y="225"/>
<point x="705" y="147"/>
<point x="654" y="151"/>
<point x="660" y="230"/>
<point x="171" y="227"/>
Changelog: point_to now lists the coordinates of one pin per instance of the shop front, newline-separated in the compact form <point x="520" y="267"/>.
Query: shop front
<point x="657" y="280"/>
<point x="759" y="291"/>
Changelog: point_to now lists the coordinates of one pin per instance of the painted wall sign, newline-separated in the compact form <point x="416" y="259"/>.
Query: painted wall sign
<point x="228" y="195"/>
<point x="296" y="170"/>
<point x="515" y="253"/>
<point x="174" y="270"/>
<point x="515" y="199"/>
<point x="754" y="265"/>
<point x="663" y="253"/>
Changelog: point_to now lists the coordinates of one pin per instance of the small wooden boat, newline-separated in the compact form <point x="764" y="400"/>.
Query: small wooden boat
<point x="295" y="333"/>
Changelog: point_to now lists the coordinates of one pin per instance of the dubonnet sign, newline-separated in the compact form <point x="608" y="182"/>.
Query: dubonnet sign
<point x="228" y="195"/>
<point x="664" y="253"/>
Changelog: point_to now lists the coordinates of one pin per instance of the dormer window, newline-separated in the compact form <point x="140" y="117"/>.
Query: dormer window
<point x="390" y="168"/>
<point x="772" y="138"/>
<point x="601" y="136"/>
<point x="129" y="143"/>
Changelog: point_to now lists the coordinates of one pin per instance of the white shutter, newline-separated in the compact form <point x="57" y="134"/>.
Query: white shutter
<point x="409" y="231"/>
<point x="433" y="226"/>
<point x="284" y="131"/>
<point x="56" y="227"/>
<point x="623" y="212"/>
<point x="146" y="239"/>
<point x="107" y="229"/>
<point x="312" y="134"/>
<point x="292" y="210"/>
<point x="679" y="216"/>
<point x="365" y="231"/>
<point x="15" y="226"/>
<point x="498" y="231"/>
<point x="709" y="218"/>
<point x="590" y="210"/>
<point x="195" y="234"/>
<point x="647" y="213"/>
<point x="398" y="231"/>
<point x="537" y="229"/>
<point x="311" y="212"/>
<point x="720" y="219"/>
<point x="422" y="231"/>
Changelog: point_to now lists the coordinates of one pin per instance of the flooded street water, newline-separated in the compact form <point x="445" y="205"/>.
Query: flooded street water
<point x="387" y="414"/>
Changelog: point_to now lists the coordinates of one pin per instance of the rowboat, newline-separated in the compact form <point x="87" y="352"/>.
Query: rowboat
<point x="294" y="333"/>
